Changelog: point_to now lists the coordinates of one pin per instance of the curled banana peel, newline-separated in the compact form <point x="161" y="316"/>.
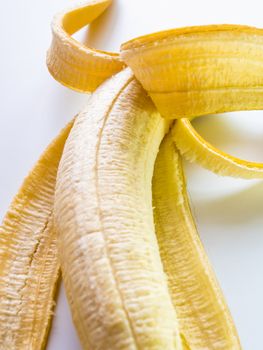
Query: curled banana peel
<point x="110" y="209"/>
<point x="194" y="71"/>
<point x="73" y="64"/>
<point x="195" y="149"/>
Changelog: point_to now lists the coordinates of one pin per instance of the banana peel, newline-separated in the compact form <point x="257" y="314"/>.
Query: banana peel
<point x="196" y="149"/>
<point x="73" y="64"/>
<point x="29" y="265"/>
<point x="204" y="319"/>
<point x="194" y="71"/>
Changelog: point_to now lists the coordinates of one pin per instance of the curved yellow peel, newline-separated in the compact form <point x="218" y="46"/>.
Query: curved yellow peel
<point x="195" y="71"/>
<point x="73" y="64"/>
<point x="204" y="319"/>
<point x="29" y="266"/>
<point x="194" y="148"/>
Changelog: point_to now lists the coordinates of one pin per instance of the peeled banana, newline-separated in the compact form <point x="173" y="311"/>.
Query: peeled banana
<point x="111" y="209"/>
<point x="103" y="215"/>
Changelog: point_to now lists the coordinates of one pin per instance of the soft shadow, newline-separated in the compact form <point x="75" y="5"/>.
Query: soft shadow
<point x="64" y="103"/>
<point x="215" y="128"/>
<point x="99" y="32"/>
<point x="242" y="207"/>
<point x="222" y="132"/>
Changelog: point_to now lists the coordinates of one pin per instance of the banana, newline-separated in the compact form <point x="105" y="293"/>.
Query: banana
<point x="29" y="267"/>
<point x="195" y="149"/>
<point x="128" y="286"/>
<point x="201" y="70"/>
<point x="204" y="318"/>
<point x="103" y="215"/>
<point x="73" y="64"/>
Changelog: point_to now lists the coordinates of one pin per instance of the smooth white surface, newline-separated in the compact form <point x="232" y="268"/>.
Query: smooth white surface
<point x="34" y="108"/>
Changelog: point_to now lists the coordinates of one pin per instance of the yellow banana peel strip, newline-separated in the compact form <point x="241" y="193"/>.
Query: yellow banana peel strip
<point x="29" y="266"/>
<point x="204" y="318"/>
<point x="73" y="64"/>
<point x="194" y="71"/>
<point x="195" y="149"/>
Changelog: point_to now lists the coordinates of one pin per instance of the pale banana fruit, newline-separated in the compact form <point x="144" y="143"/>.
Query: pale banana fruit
<point x="29" y="266"/>
<point x="204" y="318"/>
<point x="103" y="215"/>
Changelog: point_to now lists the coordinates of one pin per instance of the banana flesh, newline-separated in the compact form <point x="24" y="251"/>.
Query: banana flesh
<point x="204" y="318"/>
<point x="103" y="216"/>
<point x="29" y="266"/>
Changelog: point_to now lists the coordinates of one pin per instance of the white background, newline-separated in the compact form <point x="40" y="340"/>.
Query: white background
<point x="34" y="108"/>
